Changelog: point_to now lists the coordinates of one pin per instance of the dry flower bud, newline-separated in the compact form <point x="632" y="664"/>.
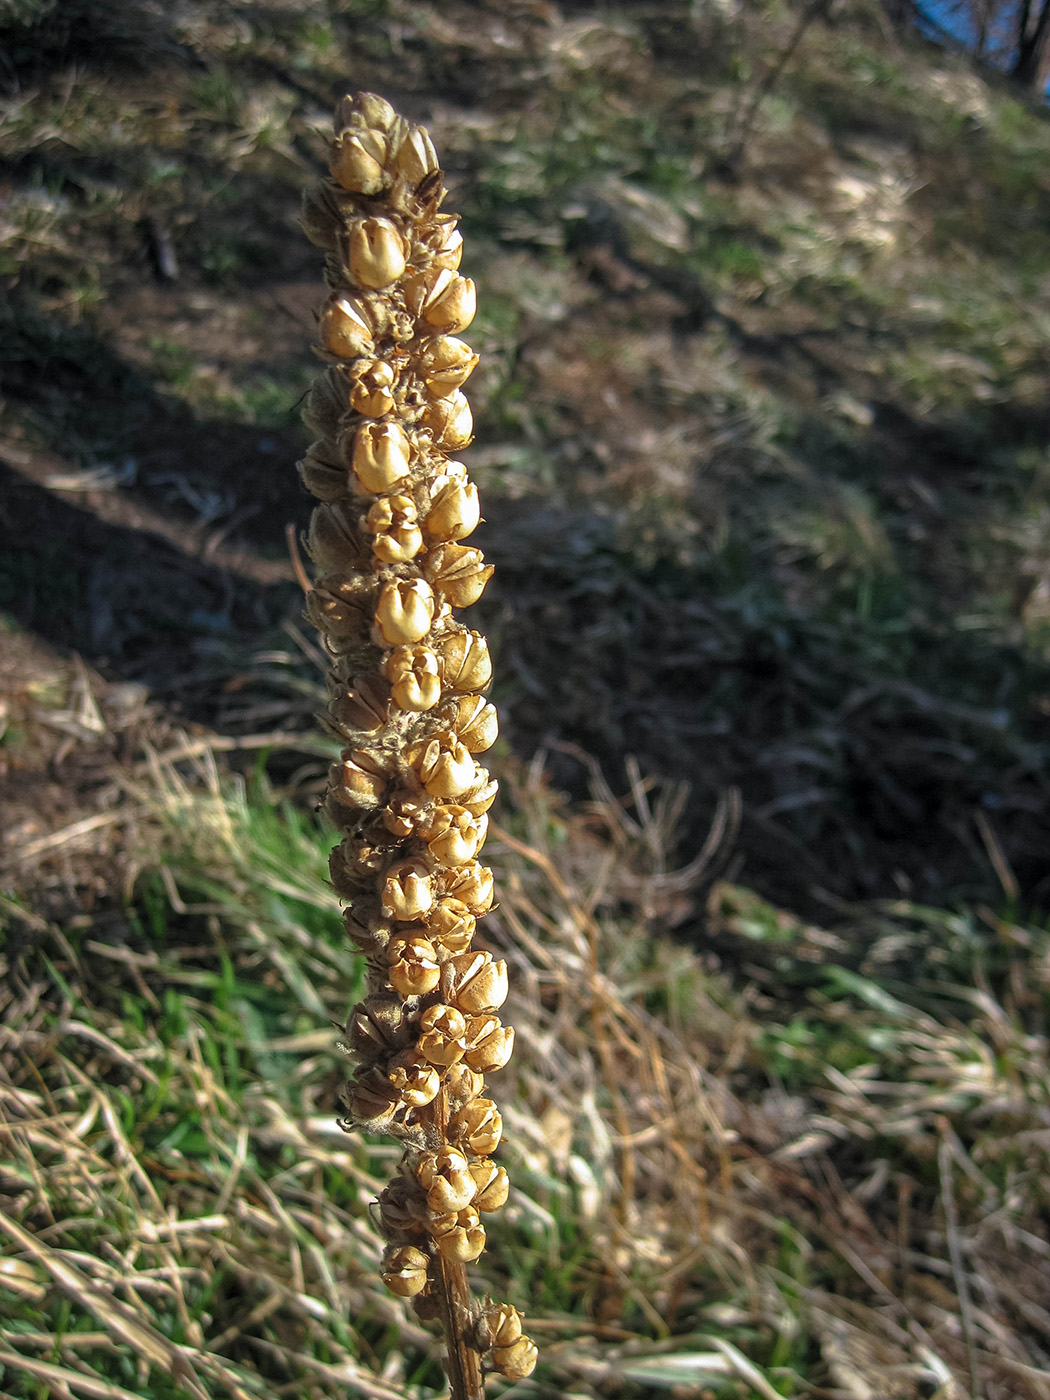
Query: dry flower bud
<point x="377" y="253"/>
<point x="517" y="1361"/>
<point x="405" y="1270"/>
<point x="465" y="661"/>
<point x="450" y="420"/>
<point x="474" y="982"/>
<point x="414" y="1081"/>
<point x="413" y="969"/>
<point x="445" y="363"/>
<point x="415" y="682"/>
<point x="460" y="840"/>
<point x="451" y="924"/>
<point x="478" y="1127"/>
<point x="472" y="884"/>
<point x="407" y="891"/>
<point x="346" y="326"/>
<point x="441" y="1039"/>
<point x="455" y="511"/>
<point x="493" y="1188"/>
<point x="404" y="613"/>
<point x="458" y="572"/>
<point x="446" y="768"/>
<point x="490" y="1044"/>
<point x="358" y="781"/>
<point x="445" y="1176"/>
<point x="381" y="456"/>
<point x="417" y="157"/>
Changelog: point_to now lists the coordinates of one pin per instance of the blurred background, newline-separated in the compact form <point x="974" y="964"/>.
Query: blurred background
<point x="763" y="445"/>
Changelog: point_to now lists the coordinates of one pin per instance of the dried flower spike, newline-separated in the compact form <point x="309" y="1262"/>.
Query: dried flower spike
<point x="406" y="696"/>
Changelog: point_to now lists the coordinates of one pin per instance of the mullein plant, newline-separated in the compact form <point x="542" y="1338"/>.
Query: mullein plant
<point x="407" y="683"/>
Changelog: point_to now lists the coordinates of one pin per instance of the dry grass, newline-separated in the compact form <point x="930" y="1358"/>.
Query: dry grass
<point x="778" y="1175"/>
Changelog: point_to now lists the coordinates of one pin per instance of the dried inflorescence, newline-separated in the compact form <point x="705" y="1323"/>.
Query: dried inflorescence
<point x="407" y="681"/>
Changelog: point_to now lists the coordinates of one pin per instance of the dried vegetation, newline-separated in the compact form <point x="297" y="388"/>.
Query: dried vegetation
<point x="763" y="455"/>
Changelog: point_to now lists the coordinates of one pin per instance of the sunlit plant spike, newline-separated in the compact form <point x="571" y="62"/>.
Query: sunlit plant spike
<point x="406" y="683"/>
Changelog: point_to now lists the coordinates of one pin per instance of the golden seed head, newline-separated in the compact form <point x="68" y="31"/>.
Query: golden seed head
<point x="450" y="421"/>
<point x="446" y="363"/>
<point x="415" y="1082"/>
<point x="446" y="768"/>
<point x="476" y="723"/>
<point x="472" y="884"/>
<point x="442" y="1029"/>
<point x="377" y="1023"/>
<point x="458" y="572"/>
<point x="405" y="1270"/>
<point x="474" y="982"/>
<point x="451" y="924"/>
<point x="459" y="1236"/>
<point x="445" y="1176"/>
<point x="446" y="301"/>
<point x="462" y="1084"/>
<point x="461" y="837"/>
<point x="393" y="521"/>
<point x="490" y="1044"/>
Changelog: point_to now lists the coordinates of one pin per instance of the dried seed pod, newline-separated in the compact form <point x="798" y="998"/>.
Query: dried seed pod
<point x="473" y="719"/>
<point x="474" y="982"/>
<point x="482" y="795"/>
<point x="455" y="511"/>
<point x="445" y="364"/>
<point x="370" y="1099"/>
<point x="458" y="572"/>
<point x="378" y="1023"/>
<point x="501" y="1325"/>
<point x="416" y="157"/>
<point x="394" y="522"/>
<point x="405" y="1270"/>
<point x="458" y="838"/>
<point x="381" y="456"/>
<point x="472" y="885"/>
<point x="442" y="1029"/>
<point x="377" y="253"/>
<point x="489" y="1044"/>
<point x="450" y="421"/>
<point x="372" y="388"/>
<point x="451" y="924"/>
<point x="415" y="681"/>
<point x="477" y="1128"/>
<point x="458" y="1235"/>
<point x="465" y="661"/>
<point x="415" y="1082"/>
<point x="445" y="1176"/>
<point x="408" y="891"/>
<point x="365" y="706"/>
<point x="405" y="611"/>
<point x="323" y="474"/>
<point x="358" y="781"/>
<point x="463" y="1085"/>
<point x="493" y="1187"/>
<point x="403" y="1208"/>
<point x="517" y="1361"/>
<point x="346" y="327"/>
<point x="445" y="767"/>
<point x="444" y="299"/>
<point x="413" y="969"/>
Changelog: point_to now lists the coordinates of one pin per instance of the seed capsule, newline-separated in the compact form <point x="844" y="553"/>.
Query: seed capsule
<point x="415" y="682"/>
<point x="358" y="781"/>
<point x="474" y="720"/>
<point x="463" y="1085"/>
<point x="493" y="1188"/>
<point x="377" y="253"/>
<point x="455" y="511"/>
<point x="458" y="572"/>
<point x="402" y="1208"/>
<point x="446" y="768"/>
<point x="450" y="421"/>
<point x="474" y="982"/>
<point x="407" y="891"/>
<point x="447" y="245"/>
<point x="445" y="364"/>
<point x="371" y="388"/>
<point x="413" y="967"/>
<point x="365" y="706"/>
<point x="459" y="1236"/>
<point x="323" y="476"/>
<point x="445" y="1176"/>
<point x="417" y="157"/>
<point x="415" y="1082"/>
<point x="378" y="1022"/>
<point x="405" y="1270"/>
<point x="405" y="612"/>
<point x="459" y="837"/>
<point x="478" y="1127"/>
<point x="380" y="456"/>
<point x="465" y="661"/>
<point x="393" y="521"/>
<point x="346" y="326"/>
<point x="517" y="1361"/>
<point x="451" y="924"/>
<point x="480" y="797"/>
<point x="446" y="301"/>
<point x="442" y="1029"/>
<point x="489" y="1044"/>
<point x="472" y="884"/>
